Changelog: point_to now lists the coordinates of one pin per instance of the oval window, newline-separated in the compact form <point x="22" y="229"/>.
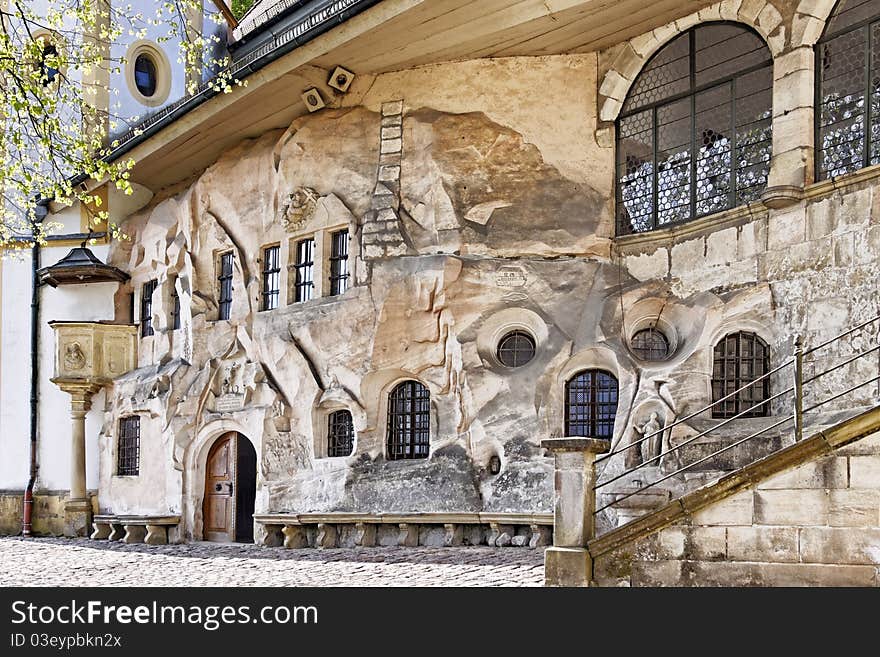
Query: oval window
<point x="516" y="348"/>
<point x="650" y="344"/>
<point x="145" y="75"/>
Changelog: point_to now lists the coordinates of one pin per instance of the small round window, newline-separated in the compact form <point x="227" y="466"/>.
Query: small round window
<point x="650" y="344"/>
<point x="516" y="348"/>
<point x="145" y="75"/>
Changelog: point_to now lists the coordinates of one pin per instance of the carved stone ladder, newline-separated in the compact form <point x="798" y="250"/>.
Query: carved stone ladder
<point x="568" y="562"/>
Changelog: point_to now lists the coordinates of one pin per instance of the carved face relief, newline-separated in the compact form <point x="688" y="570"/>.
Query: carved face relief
<point x="74" y="358"/>
<point x="299" y="209"/>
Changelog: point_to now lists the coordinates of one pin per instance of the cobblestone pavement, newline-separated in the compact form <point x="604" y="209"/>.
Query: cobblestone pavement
<point x="81" y="562"/>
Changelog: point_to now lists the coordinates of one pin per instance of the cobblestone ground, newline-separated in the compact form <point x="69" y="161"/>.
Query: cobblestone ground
<point x="81" y="562"/>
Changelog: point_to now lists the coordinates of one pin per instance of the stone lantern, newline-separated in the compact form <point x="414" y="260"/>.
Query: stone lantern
<point x="88" y="356"/>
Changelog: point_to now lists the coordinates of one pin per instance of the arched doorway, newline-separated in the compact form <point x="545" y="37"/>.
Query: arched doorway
<point x="230" y="490"/>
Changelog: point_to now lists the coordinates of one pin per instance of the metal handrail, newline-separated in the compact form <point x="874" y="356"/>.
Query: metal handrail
<point x="696" y="413"/>
<point x="797" y="360"/>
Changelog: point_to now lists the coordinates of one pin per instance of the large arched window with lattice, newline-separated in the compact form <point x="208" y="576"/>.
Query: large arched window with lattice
<point x="409" y="421"/>
<point x="694" y="135"/>
<point x="739" y="359"/>
<point x="591" y="404"/>
<point x="848" y="73"/>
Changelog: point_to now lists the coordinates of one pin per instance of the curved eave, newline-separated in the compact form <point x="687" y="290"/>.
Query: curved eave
<point x="80" y="275"/>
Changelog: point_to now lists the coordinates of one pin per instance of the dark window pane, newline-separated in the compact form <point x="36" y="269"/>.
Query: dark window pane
<point x="271" y="278"/>
<point x="145" y="75"/>
<point x="225" y="278"/>
<point x="340" y="434"/>
<point x="339" y="274"/>
<point x="516" y="349"/>
<point x="739" y="359"/>
<point x="147" y="308"/>
<point x="591" y="404"/>
<point x="409" y="421"/>
<point x="128" y="446"/>
<point x="175" y="306"/>
<point x="304" y="284"/>
<point x="650" y="344"/>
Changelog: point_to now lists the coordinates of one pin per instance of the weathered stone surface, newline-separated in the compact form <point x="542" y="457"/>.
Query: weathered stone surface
<point x="767" y="544"/>
<point x="739" y="509"/>
<point x="854" y="508"/>
<point x="829" y="472"/>
<point x="798" y="507"/>
<point x="839" y="545"/>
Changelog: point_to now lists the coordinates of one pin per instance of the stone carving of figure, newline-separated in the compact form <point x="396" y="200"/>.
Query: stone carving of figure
<point x="74" y="358"/>
<point x="650" y="449"/>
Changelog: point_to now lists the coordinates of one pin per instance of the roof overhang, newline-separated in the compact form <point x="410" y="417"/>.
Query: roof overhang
<point x="391" y="35"/>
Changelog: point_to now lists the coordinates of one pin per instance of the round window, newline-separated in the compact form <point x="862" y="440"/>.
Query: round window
<point x="516" y="348"/>
<point x="650" y="344"/>
<point x="145" y="75"/>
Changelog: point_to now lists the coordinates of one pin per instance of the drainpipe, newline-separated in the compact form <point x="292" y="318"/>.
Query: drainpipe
<point x="40" y="212"/>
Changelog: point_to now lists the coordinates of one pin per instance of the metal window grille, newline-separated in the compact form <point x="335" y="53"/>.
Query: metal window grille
<point x="225" y="278"/>
<point x="650" y="344"/>
<point x="339" y="274"/>
<point x="147" y="308"/>
<point x="340" y="434"/>
<point x="848" y="90"/>
<point x="409" y="421"/>
<point x="516" y="349"/>
<point x="271" y="277"/>
<point x="304" y="287"/>
<point x="175" y="306"/>
<point x="738" y="359"/>
<point x="591" y="404"/>
<point x="129" y="446"/>
<point x="694" y="135"/>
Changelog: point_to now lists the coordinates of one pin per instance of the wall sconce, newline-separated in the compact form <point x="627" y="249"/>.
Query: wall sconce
<point x="494" y="465"/>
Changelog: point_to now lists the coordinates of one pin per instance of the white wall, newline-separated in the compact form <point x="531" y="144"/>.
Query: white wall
<point x="91" y="302"/>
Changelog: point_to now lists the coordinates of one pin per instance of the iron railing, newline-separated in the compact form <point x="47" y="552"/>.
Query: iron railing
<point x="795" y="365"/>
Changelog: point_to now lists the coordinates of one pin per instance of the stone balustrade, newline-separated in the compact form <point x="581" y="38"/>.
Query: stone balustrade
<point x="328" y="530"/>
<point x="151" y="530"/>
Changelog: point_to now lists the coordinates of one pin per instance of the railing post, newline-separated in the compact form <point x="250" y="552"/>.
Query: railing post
<point x="798" y="388"/>
<point x="568" y="562"/>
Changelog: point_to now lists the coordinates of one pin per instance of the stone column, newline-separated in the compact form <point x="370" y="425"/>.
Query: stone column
<point x="568" y="562"/>
<point x="78" y="510"/>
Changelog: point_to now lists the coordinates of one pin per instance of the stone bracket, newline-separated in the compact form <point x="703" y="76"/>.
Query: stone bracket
<point x="295" y="537"/>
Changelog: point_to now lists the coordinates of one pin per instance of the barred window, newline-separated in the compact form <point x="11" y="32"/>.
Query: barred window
<point x="650" y="344"/>
<point x="147" y="308"/>
<point x="339" y="274"/>
<point x="739" y="359"/>
<point x="129" y="446"/>
<point x="694" y="135"/>
<point x="848" y="89"/>
<point x="271" y="277"/>
<point x="340" y="434"/>
<point x="591" y="404"/>
<point x="175" y="305"/>
<point x="516" y="349"/>
<point x="409" y="421"/>
<point x="304" y="286"/>
<point x="225" y="278"/>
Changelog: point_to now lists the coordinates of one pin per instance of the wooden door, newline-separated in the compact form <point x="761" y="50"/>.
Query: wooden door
<point x="219" y="505"/>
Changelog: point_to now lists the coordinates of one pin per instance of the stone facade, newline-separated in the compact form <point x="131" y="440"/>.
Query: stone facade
<point x="472" y="211"/>
<point x="817" y="524"/>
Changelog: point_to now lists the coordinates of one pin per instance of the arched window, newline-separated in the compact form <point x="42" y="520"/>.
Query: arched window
<point x="48" y="68"/>
<point x="340" y="434"/>
<point x="409" y="421"/>
<point x="740" y="358"/>
<point x="847" y="68"/>
<point x="694" y="135"/>
<point x="591" y="404"/>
